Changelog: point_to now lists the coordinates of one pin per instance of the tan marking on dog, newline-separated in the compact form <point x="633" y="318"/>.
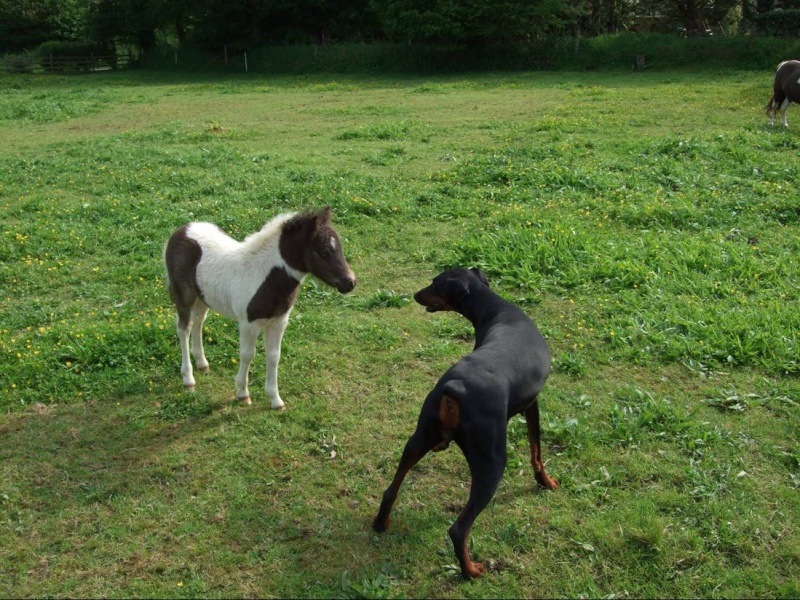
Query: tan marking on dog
<point x="449" y="417"/>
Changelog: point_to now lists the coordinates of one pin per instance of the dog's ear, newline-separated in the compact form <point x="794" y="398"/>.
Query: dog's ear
<point x="480" y="275"/>
<point x="456" y="288"/>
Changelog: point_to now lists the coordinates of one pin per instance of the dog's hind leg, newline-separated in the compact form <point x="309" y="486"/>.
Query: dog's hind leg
<point x="417" y="446"/>
<point x="486" y="467"/>
<point x="532" y="418"/>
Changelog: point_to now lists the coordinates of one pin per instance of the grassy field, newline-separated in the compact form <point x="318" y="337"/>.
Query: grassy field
<point x="648" y="222"/>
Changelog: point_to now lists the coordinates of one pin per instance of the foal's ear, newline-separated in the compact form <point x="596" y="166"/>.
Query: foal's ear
<point x="323" y="217"/>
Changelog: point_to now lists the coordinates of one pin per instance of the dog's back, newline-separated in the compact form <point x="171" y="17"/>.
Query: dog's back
<point x="510" y="362"/>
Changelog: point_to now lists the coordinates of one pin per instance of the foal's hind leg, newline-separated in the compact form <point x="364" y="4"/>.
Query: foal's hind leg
<point x="783" y="109"/>
<point x="199" y="312"/>
<point x="190" y="330"/>
<point x="184" y="326"/>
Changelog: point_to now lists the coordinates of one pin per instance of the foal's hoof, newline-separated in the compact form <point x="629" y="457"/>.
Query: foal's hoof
<point x="246" y="400"/>
<point x="205" y="369"/>
<point x="189" y="387"/>
<point x="280" y="408"/>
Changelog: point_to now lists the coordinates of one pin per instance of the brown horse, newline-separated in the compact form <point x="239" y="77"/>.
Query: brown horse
<point x="786" y="90"/>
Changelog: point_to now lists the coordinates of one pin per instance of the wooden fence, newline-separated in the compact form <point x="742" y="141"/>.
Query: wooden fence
<point x="84" y="64"/>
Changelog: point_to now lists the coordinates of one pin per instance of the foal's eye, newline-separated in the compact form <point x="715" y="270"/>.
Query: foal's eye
<point x="324" y="250"/>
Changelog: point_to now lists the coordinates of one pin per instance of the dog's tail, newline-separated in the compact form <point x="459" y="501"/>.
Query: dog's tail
<point x="448" y="421"/>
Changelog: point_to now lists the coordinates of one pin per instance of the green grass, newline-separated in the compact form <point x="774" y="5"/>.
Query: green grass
<point x="647" y="221"/>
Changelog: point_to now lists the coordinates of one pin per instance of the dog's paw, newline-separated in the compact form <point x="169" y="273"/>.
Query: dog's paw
<point x="380" y="525"/>
<point x="472" y="570"/>
<point x="546" y="481"/>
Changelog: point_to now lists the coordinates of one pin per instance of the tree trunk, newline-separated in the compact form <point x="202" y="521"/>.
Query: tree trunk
<point x="611" y="17"/>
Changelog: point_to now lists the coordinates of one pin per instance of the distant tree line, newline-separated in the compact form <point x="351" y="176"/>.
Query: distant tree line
<point x="144" y="25"/>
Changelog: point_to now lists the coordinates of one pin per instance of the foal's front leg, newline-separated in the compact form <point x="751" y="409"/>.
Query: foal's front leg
<point x="273" y="335"/>
<point x="248" y="335"/>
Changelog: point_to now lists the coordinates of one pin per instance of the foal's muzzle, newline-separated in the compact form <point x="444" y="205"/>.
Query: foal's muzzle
<point x="346" y="284"/>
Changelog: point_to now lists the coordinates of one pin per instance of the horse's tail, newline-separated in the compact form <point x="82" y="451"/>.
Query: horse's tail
<point x="770" y="107"/>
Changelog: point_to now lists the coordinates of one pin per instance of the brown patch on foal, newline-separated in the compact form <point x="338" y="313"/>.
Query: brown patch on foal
<point x="182" y="256"/>
<point x="275" y="296"/>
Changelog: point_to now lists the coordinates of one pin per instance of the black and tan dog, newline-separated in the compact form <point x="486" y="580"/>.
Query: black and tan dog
<point x="473" y="401"/>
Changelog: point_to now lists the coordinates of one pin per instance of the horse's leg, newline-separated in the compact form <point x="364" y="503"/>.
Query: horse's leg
<point x="248" y="335"/>
<point x="784" y="108"/>
<point x="273" y="334"/>
<point x="184" y="327"/>
<point x="771" y="111"/>
<point x="199" y="312"/>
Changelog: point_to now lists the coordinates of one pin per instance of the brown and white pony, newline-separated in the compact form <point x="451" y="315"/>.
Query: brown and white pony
<point x="786" y="90"/>
<point x="254" y="281"/>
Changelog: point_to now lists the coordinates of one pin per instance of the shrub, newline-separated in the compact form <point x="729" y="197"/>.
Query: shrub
<point x="18" y="63"/>
<point x="71" y="56"/>
<point x="616" y="51"/>
<point x="779" y="23"/>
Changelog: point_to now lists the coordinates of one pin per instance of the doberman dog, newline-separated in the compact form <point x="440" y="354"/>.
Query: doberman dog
<point x="473" y="401"/>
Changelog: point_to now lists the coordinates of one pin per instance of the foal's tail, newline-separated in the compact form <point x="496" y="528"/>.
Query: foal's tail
<point x="771" y="106"/>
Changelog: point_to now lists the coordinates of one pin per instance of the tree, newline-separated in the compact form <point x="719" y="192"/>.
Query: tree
<point x="691" y="15"/>
<point x="469" y="21"/>
<point x="139" y="22"/>
<point x="25" y="24"/>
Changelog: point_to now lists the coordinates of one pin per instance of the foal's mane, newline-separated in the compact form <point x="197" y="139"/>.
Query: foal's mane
<point x="298" y="220"/>
<point x="269" y="232"/>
